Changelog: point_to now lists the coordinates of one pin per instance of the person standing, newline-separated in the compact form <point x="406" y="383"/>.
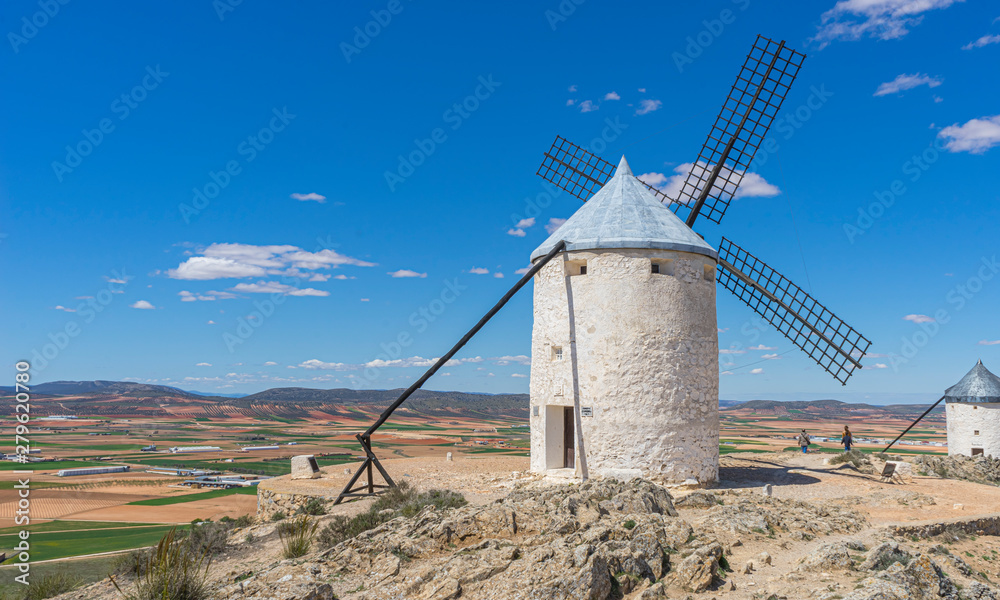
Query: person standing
<point x="804" y="441"/>
<point x="847" y="440"/>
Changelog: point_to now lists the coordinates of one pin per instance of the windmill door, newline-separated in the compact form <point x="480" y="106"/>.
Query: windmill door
<point x="568" y="436"/>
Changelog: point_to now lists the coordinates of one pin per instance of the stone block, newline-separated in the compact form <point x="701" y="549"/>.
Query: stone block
<point x="304" y="467"/>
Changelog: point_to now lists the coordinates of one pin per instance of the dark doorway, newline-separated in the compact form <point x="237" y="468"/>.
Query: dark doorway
<point x="977" y="451"/>
<point x="568" y="437"/>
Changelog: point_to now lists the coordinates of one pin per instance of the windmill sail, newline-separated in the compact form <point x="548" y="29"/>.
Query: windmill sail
<point x="833" y="344"/>
<point x="578" y="171"/>
<point x="761" y="86"/>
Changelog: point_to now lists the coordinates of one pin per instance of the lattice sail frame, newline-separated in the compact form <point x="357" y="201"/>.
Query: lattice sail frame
<point x="578" y="171"/>
<point x="754" y="100"/>
<point x="833" y="344"/>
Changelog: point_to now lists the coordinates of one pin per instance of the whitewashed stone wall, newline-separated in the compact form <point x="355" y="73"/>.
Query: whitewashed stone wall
<point x="641" y="351"/>
<point x="965" y="419"/>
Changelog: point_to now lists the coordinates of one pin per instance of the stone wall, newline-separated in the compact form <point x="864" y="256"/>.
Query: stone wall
<point x="270" y="502"/>
<point x="639" y="352"/>
<point x="965" y="419"/>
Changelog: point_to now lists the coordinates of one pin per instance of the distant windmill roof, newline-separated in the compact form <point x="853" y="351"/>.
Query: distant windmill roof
<point x="625" y="214"/>
<point x="978" y="385"/>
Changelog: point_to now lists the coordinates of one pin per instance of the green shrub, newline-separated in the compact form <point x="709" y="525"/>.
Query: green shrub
<point x="314" y="507"/>
<point x="243" y="521"/>
<point x="210" y="538"/>
<point x="51" y="585"/>
<point x="401" y="500"/>
<point x="630" y="524"/>
<point x="297" y="536"/>
<point x="130" y="564"/>
<point x="172" y="571"/>
<point x="278" y="516"/>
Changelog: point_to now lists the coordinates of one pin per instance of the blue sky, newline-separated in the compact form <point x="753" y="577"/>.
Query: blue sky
<point x="170" y="171"/>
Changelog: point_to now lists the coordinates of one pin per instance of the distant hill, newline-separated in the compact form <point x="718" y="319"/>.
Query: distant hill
<point x="118" y="388"/>
<point x="830" y="407"/>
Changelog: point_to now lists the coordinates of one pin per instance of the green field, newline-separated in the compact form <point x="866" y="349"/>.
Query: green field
<point x="62" y="544"/>
<point x="87" y="570"/>
<point x="282" y="467"/>
<point x="54" y="465"/>
<point x="73" y="525"/>
<point x="193" y="497"/>
<point x="731" y="449"/>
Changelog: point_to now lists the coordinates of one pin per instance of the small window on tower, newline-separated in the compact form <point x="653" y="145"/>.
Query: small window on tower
<point x="576" y="267"/>
<point x="662" y="267"/>
<point x="709" y="273"/>
<point x="557" y="353"/>
<point x="976" y="432"/>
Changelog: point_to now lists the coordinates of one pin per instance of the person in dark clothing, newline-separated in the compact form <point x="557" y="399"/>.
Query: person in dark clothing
<point x="804" y="441"/>
<point x="847" y="440"/>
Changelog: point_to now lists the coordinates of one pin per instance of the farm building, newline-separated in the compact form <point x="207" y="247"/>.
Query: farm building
<point x="180" y="449"/>
<point x="92" y="471"/>
<point x="255" y="448"/>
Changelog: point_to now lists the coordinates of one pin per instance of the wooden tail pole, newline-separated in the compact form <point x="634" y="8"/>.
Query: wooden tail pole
<point x="926" y="412"/>
<point x="371" y="461"/>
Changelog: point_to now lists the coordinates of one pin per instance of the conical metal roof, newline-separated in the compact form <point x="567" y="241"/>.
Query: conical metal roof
<point x="978" y="385"/>
<point x="625" y="214"/>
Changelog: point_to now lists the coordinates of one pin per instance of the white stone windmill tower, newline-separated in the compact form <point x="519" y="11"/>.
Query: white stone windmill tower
<point x="624" y="371"/>
<point x="972" y="408"/>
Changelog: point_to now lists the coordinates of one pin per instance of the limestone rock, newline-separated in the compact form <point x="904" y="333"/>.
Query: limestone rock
<point x="828" y="557"/>
<point x="978" y="591"/>
<point x="697" y="572"/>
<point x="321" y="592"/>
<point x="697" y="499"/>
<point x="304" y="467"/>
<point x="882" y="556"/>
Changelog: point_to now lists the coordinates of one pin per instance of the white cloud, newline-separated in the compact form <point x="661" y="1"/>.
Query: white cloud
<point x="726" y="373"/>
<point x="986" y="40"/>
<point x="906" y="82"/>
<point x="210" y="322"/>
<point x="498" y="275"/>
<point x="208" y="296"/>
<point x="479" y="271"/>
<point x="203" y="364"/>
<point x="519" y="375"/>
<point x="771" y="357"/>
<point x="270" y="363"/>
<point x="918" y="318"/>
<point x="525" y="223"/>
<point x="762" y="347"/>
<point x="730" y="351"/>
<point x="516" y="232"/>
<point x="976" y="136"/>
<point x="752" y="185"/>
<point x="316" y="364"/>
<point x="142" y="304"/>
<point x="553" y="224"/>
<point x="273" y="287"/>
<point x="240" y="261"/>
<point x="647" y="106"/>
<point x="311" y="196"/>
<point x="324" y="277"/>
<point x="876" y="366"/>
<point x="722" y="329"/>
<point x="519" y="359"/>
<point x="366" y="299"/>
<point x="642" y="90"/>
<point x="522" y="271"/>
<point x="880" y="19"/>
<point x="588" y="106"/>
<point x="938" y="99"/>
<point x="572" y="88"/>
<point x="570" y="102"/>
<point x="756" y="371"/>
<point x="612" y="96"/>
<point x="989" y="342"/>
<point x="406" y="273"/>
<point x="63" y="308"/>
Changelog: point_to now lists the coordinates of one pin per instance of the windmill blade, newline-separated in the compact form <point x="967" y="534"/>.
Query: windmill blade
<point x="761" y="86"/>
<point x="578" y="171"/>
<point x="833" y="344"/>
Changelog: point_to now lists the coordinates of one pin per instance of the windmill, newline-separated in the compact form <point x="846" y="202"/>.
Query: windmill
<point x="763" y="82"/>
<point x="760" y="88"/>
